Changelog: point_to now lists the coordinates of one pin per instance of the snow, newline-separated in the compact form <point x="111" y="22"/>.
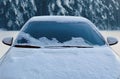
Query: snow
<point x="43" y="41"/>
<point x="67" y="3"/>
<point x="64" y="63"/>
<point x="61" y="8"/>
<point x="10" y="23"/>
<point x="58" y="18"/>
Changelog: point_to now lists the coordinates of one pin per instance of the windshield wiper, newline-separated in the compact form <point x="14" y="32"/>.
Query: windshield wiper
<point x="72" y="46"/>
<point x="27" y="46"/>
<point x="80" y="46"/>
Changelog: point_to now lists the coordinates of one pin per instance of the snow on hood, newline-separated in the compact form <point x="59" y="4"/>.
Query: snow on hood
<point x="61" y="63"/>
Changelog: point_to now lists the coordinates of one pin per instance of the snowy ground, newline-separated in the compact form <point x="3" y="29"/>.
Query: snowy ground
<point x="3" y="34"/>
<point x="115" y="34"/>
<point x="4" y="48"/>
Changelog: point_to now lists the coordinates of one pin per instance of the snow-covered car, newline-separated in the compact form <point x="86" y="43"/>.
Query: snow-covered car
<point x="59" y="47"/>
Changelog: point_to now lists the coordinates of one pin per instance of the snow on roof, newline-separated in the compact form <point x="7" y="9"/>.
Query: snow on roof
<point x="60" y="18"/>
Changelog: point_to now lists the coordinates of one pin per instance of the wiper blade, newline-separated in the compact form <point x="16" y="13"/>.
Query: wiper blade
<point x="27" y="46"/>
<point x="80" y="46"/>
<point x="72" y="46"/>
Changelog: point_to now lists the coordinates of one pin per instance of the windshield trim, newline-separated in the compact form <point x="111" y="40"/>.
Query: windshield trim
<point x="26" y="46"/>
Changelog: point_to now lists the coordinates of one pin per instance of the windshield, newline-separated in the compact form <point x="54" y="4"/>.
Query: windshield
<point x="48" y="33"/>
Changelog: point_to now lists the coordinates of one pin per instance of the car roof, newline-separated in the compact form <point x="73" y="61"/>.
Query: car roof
<point x="60" y="18"/>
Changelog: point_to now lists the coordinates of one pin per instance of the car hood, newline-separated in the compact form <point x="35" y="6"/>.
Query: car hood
<point x="62" y="63"/>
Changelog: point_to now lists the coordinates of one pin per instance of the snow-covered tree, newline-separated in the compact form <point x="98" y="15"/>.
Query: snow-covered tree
<point x="104" y="13"/>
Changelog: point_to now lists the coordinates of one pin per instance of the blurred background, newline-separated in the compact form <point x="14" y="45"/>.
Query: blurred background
<point x="104" y="13"/>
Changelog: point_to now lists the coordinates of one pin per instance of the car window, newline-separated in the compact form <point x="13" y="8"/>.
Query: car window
<point x="59" y="33"/>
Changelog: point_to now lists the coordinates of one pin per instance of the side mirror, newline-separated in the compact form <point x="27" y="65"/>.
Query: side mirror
<point x="8" y="41"/>
<point x="112" y="41"/>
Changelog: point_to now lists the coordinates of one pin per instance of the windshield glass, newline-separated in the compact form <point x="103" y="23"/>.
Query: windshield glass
<point x="48" y="33"/>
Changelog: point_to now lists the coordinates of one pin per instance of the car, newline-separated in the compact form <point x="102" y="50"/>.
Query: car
<point x="60" y="47"/>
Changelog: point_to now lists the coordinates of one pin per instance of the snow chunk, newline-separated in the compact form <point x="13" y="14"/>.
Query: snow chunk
<point x="43" y="41"/>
